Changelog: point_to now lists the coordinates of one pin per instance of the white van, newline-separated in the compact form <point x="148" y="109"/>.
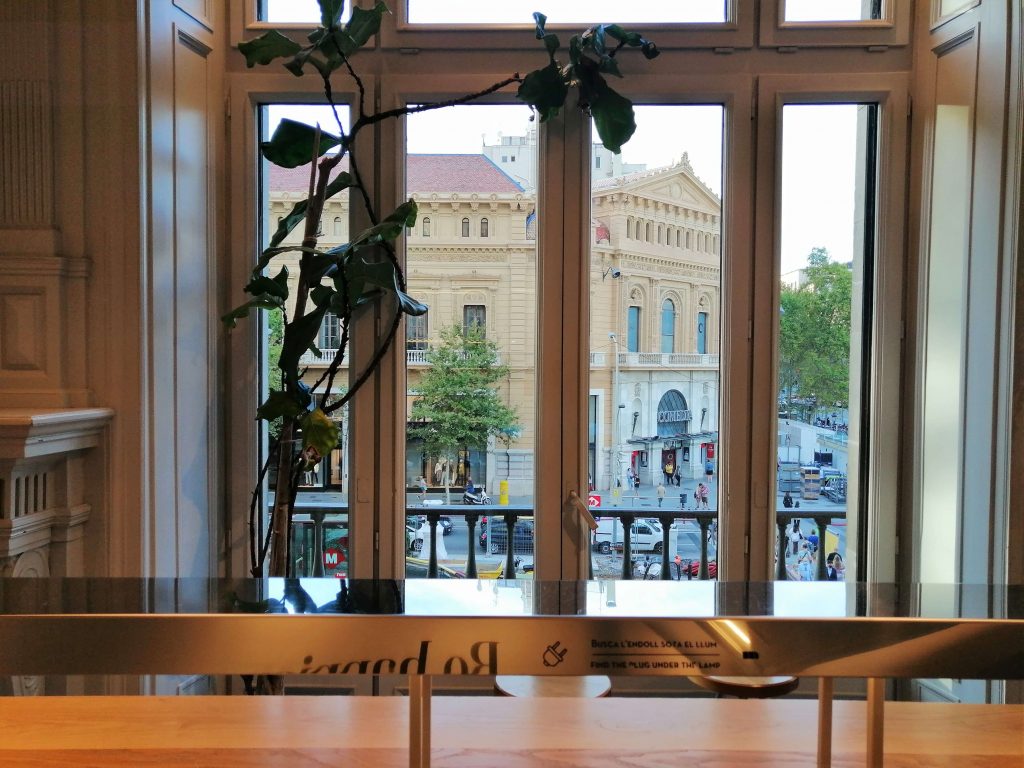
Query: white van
<point x="645" y="535"/>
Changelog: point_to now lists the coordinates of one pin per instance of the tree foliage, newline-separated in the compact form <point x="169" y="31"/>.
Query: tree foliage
<point x="458" y="405"/>
<point x="814" y="335"/>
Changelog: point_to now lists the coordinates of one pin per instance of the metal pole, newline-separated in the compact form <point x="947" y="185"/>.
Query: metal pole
<point x="419" y="721"/>
<point x="824" y="722"/>
<point x="876" y="722"/>
<point x="318" y="542"/>
<point x="471" y="562"/>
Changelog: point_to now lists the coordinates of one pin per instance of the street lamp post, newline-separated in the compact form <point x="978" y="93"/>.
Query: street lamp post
<point x="616" y="455"/>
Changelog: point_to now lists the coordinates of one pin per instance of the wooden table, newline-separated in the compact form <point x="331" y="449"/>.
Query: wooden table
<point x="365" y="732"/>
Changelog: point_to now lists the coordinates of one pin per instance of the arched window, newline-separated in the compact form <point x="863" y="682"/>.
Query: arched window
<point x="688" y="240"/>
<point x="702" y="333"/>
<point x="465" y="227"/>
<point x="426" y="226"/>
<point x="337" y="226"/>
<point x="661" y="234"/>
<point x="678" y="243"/>
<point x="648" y="232"/>
<point x="484" y="228"/>
<point x="668" y="326"/>
<point x="673" y="414"/>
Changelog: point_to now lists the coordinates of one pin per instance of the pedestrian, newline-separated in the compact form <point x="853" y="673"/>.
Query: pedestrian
<point x="834" y="567"/>
<point x="679" y="567"/>
<point x="422" y="482"/>
<point x="805" y="563"/>
<point x="709" y="469"/>
<point x="812" y="541"/>
<point x="795" y="536"/>
<point x="669" y="470"/>
<point x="787" y="500"/>
<point x="660" y="490"/>
<point x="636" y="485"/>
<point x="678" y="477"/>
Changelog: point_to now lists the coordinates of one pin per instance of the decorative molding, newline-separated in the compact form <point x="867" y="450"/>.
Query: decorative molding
<point x="19" y="262"/>
<point x="26" y="153"/>
<point x="31" y="433"/>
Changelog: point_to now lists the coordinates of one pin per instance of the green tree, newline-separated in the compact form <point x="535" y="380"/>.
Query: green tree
<point x="458" y="405"/>
<point x="814" y="335"/>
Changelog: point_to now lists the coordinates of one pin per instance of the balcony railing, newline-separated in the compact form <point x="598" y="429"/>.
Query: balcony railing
<point x="308" y="359"/>
<point x="315" y="521"/>
<point x="671" y="360"/>
<point x="413" y="357"/>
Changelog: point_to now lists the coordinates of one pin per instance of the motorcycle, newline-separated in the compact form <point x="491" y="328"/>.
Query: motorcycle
<point x="480" y="497"/>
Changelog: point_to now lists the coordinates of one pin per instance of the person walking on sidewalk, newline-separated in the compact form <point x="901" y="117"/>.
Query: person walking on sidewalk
<point x="660" y="490"/>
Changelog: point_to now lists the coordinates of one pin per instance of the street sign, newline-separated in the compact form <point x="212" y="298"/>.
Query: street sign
<point x="594" y="500"/>
<point x="333" y="558"/>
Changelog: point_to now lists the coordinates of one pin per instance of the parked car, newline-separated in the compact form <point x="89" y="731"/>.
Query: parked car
<point x="644" y="536"/>
<point x="522" y="536"/>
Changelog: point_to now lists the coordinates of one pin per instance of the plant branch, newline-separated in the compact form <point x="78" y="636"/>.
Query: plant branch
<point x="256" y="567"/>
<point x="365" y="120"/>
<point x="370" y="367"/>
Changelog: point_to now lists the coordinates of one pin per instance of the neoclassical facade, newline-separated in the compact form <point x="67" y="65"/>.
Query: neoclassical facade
<point x="655" y="307"/>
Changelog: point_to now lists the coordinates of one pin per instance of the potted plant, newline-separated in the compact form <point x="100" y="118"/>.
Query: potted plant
<point x="347" y="278"/>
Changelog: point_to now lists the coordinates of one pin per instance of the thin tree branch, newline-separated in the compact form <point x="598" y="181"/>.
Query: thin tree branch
<point x="256" y="568"/>
<point x="365" y="120"/>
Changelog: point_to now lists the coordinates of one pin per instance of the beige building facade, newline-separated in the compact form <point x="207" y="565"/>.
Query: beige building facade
<point x="655" y="308"/>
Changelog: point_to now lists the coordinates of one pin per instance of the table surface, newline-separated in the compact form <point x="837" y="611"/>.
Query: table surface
<point x="299" y="731"/>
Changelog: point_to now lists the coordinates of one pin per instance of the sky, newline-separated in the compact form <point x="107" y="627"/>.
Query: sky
<point x="818" y="143"/>
<point x="574" y="11"/>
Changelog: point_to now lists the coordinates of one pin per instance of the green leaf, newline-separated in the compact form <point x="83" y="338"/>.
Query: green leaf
<point x="276" y="287"/>
<point x="632" y="39"/>
<point x="330" y="12"/>
<point x="268" y="255"/>
<point x="610" y="66"/>
<point x="298" y="212"/>
<point x="403" y="217"/>
<point x="411" y="306"/>
<point x="545" y="90"/>
<point x="299" y="335"/>
<point x="262" y="301"/>
<point x="540" y="20"/>
<point x="613" y="117"/>
<point x="365" y="24"/>
<point x="292" y="144"/>
<point x="318" y="433"/>
<point x="279" y="404"/>
<point x="289" y="222"/>
<point x="267" y="47"/>
<point x="322" y="295"/>
<point x="550" y="38"/>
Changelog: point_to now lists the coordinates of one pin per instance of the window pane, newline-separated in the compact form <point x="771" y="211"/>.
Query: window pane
<point x="657" y="413"/>
<point x="566" y="12"/>
<point x="827" y="241"/>
<point x="471" y="392"/>
<point x="281" y="190"/>
<point x="833" y="10"/>
<point x="296" y="11"/>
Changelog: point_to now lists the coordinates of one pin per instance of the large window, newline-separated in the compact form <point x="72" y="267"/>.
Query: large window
<point x="618" y="324"/>
<point x="828" y="244"/>
<point x="668" y="326"/>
